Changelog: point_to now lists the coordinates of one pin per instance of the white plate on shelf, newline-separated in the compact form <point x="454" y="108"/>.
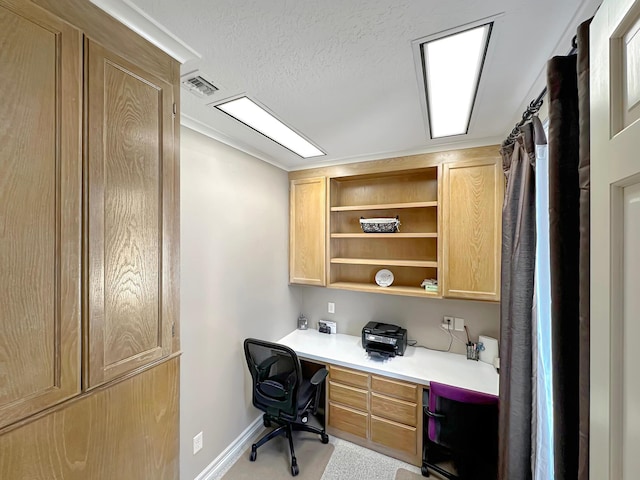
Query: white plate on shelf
<point x="384" y="277"/>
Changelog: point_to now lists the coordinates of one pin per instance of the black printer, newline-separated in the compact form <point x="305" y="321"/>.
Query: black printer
<point x="384" y="339"/>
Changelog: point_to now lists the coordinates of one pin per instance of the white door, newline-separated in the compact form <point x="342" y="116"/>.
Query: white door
<point x="615" y="241"/>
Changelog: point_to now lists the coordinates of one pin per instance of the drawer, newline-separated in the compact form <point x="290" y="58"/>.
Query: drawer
<point x="348" y="420"/>
<point x="394" y="388"/>
<point x="394" y="409"/>
<point x="354" y="397"/>
<point x="350" y="377"/>
<point x="394" y="435"/>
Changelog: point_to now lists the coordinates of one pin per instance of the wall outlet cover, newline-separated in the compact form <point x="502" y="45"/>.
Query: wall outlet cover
<point x="197" y="443"/>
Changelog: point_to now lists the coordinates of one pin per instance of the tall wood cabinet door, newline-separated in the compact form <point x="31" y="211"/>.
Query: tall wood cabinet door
<point x="471" y="229"/>
<point x="307" y="231"/>
<point x="40" y="201"/>
<point x="128" y="188"/>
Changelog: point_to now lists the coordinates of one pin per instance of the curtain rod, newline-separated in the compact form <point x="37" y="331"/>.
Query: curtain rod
<point x="535" y="105"/>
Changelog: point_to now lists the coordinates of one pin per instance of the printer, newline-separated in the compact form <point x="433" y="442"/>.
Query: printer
<point x="383" y="339"/>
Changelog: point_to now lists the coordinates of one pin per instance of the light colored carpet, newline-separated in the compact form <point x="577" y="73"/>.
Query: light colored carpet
<point x="353" y="462"/>
<point x="273" y="460"/>
<point x="339" y="460"/>
<point x="403" y="474"/>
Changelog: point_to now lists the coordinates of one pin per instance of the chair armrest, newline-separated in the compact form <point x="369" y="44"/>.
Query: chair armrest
<point x="319" y="377"/>
<point x="265" y="366"/>
<point x="316" y="380"/>
<point x="433" y="414"/>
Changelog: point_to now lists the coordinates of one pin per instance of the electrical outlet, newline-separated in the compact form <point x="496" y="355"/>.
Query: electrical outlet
<point x="459" y="324"/>
<point x="197" y="443"/>
<point x="447" y="322"/>
<point x="331" y="307"/>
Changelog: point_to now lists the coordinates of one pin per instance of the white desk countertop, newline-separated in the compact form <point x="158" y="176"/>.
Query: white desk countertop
<point x="418" y="365"/>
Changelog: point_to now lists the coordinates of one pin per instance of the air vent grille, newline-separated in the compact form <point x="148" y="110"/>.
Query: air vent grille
<point x="199" y="85"/>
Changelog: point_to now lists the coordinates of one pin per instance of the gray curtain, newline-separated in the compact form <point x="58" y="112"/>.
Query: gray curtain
<point x="516" y="318"/>
<point x="568" y="85"/>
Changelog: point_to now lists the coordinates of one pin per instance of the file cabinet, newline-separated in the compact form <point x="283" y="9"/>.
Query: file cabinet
<point x="376" y="412"/>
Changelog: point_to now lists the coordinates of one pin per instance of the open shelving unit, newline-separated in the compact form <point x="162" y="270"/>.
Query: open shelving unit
<point x="412" y="254"/>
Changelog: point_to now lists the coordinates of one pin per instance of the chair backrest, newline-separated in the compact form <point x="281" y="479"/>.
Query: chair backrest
<point x="448" y="400"/>
<point x="277" y="375"/>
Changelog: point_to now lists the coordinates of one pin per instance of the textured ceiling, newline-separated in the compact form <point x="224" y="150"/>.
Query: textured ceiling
<point x="342" y="72"/>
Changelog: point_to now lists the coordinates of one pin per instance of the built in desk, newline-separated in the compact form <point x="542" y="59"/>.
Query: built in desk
<point x="377" y="403"/>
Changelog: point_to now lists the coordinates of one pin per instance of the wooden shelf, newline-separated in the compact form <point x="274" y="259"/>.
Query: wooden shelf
<point x="392" y="290"/>
<point x="384" y="235"/>
<point x="386" y="262"/>
<point x="385" y="206"/>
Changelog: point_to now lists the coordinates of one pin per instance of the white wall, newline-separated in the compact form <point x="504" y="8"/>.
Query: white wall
<point x="234" y="284"/>
<point x="421" y="317"/>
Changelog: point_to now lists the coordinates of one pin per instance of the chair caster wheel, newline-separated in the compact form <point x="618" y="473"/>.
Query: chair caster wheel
<point x="294" y="470"/>
<point x="425" y="471"/>
<point x="324" y="438"/>
<point x="254" y="454"/>
<point x="266" y="422"/>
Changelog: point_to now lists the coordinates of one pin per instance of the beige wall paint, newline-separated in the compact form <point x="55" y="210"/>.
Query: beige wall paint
<point x="234" y="275"/>
<point x="421" y="317"/>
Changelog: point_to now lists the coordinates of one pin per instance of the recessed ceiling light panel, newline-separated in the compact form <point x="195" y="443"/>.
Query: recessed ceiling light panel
<point x="452" y="66"/>
<point x="251" y="114"/>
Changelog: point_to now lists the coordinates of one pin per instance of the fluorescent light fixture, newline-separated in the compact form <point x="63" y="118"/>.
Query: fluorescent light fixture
<point x="452" y="66"/>
<point x="251" y="114"/>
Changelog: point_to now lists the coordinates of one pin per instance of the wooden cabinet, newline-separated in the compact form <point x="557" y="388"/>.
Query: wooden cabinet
<point x="411" y="254"/>
<point x="129" y="202"/>
<point x="88" y="208"/>
<point x="472" y="194"/>
<point x="40" y="211"/>
<point x="450" y="209"/>
<point x="307" y="231"/>
<point x="377" y="412"/>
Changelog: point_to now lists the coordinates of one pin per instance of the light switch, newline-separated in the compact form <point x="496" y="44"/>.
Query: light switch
<point x="331" y="307"/>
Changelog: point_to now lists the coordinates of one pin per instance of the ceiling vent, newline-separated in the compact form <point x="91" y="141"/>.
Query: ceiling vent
<point x="198" y="85"/>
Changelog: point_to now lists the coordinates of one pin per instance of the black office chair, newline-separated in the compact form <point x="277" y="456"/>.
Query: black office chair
<point x="280" y="391"/>
<point x="462" y="426"/>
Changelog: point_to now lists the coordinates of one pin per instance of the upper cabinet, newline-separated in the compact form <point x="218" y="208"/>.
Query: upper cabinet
<point x="307" y="231"/>
<point x="472" y="194"/>
<point x="129" y="200"/>
<point x="411" y="254"/>
<point x="88" y="205"/>
<point x="449" y="207"/>
<point x="40" y="211"/>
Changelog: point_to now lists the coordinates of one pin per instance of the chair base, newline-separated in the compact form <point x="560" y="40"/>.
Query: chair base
<point x="432" y="453"/>
<point x="286" y="429"/>
<point x="437" y="469"/>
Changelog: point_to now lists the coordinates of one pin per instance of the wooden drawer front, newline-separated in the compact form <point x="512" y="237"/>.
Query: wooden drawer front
<point x="354" y="397"/>
<point x="394" y="435"/>
<point x="350" y="377"/>
<point x="393" y="409"/>
<point x="394" y="388"/>
<point x="348" y="420"/>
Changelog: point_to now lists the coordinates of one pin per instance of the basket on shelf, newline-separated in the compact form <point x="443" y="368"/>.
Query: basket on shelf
<point x="379" y="225"/>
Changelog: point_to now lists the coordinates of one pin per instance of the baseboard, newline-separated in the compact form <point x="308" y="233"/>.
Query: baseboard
<point x="231" y="451"/>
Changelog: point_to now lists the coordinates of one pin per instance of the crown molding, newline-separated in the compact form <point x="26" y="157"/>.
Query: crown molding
<point x="204" y="129"/>
<point x="140" y="22"/>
